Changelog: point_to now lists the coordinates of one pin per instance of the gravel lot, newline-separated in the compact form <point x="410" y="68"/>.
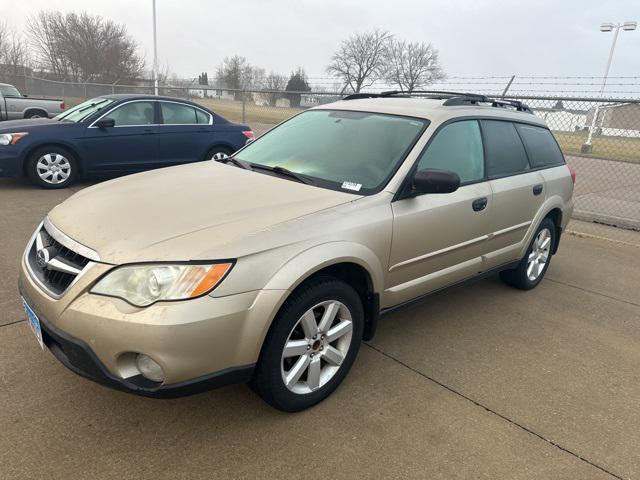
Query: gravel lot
<point x="476" y="382"/>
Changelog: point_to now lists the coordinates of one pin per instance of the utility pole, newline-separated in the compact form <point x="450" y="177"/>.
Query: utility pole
<point x="606" y="27"/>
<point x="155" y="51"/>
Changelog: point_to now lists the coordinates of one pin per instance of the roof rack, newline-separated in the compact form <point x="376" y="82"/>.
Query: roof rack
<point x="451" y="98"/>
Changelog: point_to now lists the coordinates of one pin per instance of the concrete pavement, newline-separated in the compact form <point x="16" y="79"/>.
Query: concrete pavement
<point x="476" y="382"/>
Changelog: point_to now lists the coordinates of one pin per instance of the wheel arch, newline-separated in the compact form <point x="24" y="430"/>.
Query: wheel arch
<point x="35" y="109"/>
<point x="355" y="264"/>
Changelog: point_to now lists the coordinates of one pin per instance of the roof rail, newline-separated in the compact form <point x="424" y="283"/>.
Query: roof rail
<point x="451" y="98"/>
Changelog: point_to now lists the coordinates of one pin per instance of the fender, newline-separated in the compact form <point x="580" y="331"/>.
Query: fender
<point x="554" y="201"/>
<point x="310" y="261"/>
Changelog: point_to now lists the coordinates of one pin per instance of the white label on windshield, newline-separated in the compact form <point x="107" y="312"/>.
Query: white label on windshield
<point x="352" y="186"/>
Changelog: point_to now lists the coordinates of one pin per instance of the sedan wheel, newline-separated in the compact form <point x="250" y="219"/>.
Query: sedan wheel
<point x="53" y="168"/>
<point x="316" y="347"/>
<point x="219" y="155"/>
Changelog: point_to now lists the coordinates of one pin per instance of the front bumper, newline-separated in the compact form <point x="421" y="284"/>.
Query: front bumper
<point x="10" y="161"/>
<point x="201" y="343"/>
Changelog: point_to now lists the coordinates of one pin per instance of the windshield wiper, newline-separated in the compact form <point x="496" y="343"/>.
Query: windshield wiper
<point x="284" y="172"/>
<point x="237" y="163"/>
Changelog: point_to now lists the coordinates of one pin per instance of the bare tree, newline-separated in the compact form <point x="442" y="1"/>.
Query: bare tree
<point x="359" y="61"/>
<point x="14" y="56"/>
<point x="83" y="47"/>
<point x="237" y="73"/>
<point x="412" y="65"/>
<point x="274" y="82"/>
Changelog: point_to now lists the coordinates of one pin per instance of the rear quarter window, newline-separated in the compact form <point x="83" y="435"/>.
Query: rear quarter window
<point x="541" y="147"/>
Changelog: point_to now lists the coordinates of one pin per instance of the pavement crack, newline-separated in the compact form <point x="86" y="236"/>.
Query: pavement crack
<point x="497" y="414"/>
<point x="12" y="323"/>
<point x="593" y="292"/>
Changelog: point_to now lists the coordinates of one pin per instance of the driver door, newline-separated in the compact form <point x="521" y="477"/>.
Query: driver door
<point x="439" y="239"/>
<point x="131" y="145"/>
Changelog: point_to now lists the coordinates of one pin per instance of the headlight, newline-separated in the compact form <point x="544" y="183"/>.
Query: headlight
<point x="142" y="285"/>
<point x="11" y="138"/>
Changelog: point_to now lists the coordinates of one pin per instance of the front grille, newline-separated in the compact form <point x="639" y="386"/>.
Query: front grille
<point x="54" y="265"/>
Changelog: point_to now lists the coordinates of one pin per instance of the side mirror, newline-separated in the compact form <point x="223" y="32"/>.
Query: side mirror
<point x="106" y="123"/>
<point x="434" y="181"/>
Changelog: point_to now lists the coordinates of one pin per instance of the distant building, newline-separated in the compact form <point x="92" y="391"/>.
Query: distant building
<point x="618" y="119"/>
<point x="211" y="93"/>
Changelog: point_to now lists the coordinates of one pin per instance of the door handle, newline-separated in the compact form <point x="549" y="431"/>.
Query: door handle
<point x="479" y="204"/>
<point x="537" y="189"/>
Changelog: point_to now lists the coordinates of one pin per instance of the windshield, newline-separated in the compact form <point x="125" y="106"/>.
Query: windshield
<point x="83" y="110"/>
<point x="9" y="91"/>
<point x="343" y="150"/>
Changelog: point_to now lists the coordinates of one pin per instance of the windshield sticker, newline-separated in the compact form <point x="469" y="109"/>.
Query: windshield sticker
<point x="352" y="186"/>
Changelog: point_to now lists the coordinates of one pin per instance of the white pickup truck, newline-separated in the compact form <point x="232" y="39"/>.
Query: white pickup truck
<point x="14" y="105"/>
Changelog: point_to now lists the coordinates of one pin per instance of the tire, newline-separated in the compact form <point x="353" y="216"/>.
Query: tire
<point x="35" y="114"/>
<point x="52" y="167"/>
<point x="326" y="360"/>
<point x="218" y="153"/>
<point x="530" y="272"/>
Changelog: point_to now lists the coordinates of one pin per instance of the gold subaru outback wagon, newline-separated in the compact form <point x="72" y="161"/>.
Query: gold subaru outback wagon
<point x="271" y="266"/>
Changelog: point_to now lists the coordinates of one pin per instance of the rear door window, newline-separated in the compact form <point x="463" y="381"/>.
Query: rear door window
<point x="504" y="149"/>
<point x="542" y="149"/>
<point x="178" y="114"/>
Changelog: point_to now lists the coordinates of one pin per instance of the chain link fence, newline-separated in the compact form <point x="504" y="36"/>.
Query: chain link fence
<point x="599" y="137"/>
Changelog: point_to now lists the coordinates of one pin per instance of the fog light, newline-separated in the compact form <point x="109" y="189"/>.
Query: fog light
<point x="149" y="368"/>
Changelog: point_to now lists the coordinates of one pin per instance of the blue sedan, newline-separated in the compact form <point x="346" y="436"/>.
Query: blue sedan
<point x="115" y="134"/>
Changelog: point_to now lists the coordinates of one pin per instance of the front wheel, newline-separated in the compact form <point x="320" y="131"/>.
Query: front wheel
<point x="530" y="272"/>
<point x="311" y="345"/>
<point x="52" y="167"/>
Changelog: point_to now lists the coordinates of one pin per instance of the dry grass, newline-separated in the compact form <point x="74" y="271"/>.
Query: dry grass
<point x="610" y="148"/>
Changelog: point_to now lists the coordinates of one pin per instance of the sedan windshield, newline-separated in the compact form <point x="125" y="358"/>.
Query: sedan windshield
<point x="83" y="110"/>
<point x="343" y="150"/>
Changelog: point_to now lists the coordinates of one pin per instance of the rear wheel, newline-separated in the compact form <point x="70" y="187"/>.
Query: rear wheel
<point x="52" y="167"/>
<point x="531" y="270"/>
<point x="311" y="345"/>
<point x="218" y="153"/>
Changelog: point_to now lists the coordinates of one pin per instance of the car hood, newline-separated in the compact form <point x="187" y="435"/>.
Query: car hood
<point x="191" y="212"/>
<point x="32" y="125"/>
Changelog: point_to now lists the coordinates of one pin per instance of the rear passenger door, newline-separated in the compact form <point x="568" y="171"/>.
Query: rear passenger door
<point x="518" y="190"/>
<point x="185" y="133"/>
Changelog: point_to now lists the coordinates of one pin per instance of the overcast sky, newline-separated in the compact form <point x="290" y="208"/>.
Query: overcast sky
<point x="475" y="37"/>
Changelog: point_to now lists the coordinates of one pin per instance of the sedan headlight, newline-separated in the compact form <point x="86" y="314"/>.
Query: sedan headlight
<point x="11" y="138"/>
<point x="142" y="285"/>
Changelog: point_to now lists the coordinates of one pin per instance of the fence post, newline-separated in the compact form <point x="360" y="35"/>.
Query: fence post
<point x="244" y="106"/>
<point x="85" y="90"/>
<point x="506" y="89"/>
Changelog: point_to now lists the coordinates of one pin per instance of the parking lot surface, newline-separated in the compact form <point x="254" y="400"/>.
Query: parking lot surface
<point x="481" y="381"/>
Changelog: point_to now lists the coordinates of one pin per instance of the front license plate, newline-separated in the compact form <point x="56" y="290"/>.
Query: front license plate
<point x="34" y="322"/>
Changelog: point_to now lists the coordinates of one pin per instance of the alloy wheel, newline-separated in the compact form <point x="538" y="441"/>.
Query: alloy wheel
<point x="219" y="156"/>
<point x="53" y="168"/>
<point x="539" y="255"/>
<point x="316" y="347"/>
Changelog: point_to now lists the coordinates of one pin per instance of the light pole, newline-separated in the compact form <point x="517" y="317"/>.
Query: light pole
<point x="155" y="51"/>
<point x="606" y="27"/>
